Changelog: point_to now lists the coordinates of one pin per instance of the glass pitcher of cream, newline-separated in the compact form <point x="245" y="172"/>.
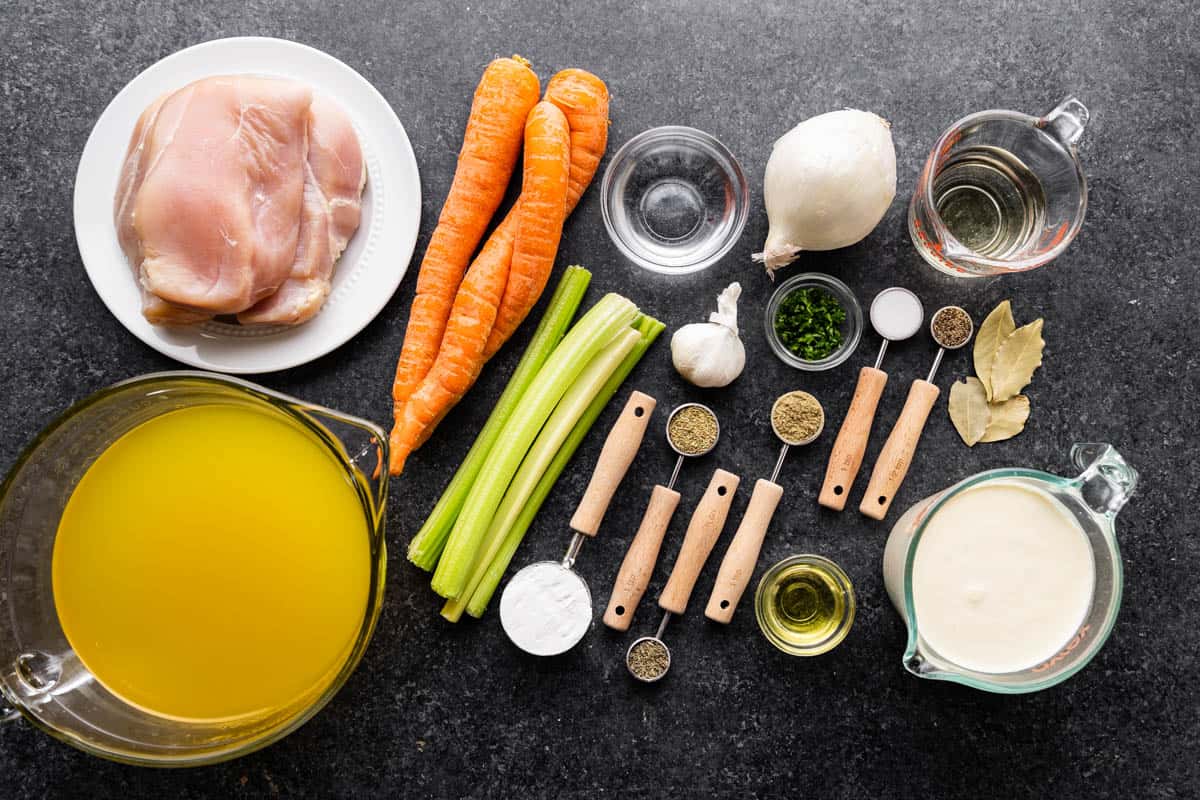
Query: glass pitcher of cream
<point x="1010" y="580"/>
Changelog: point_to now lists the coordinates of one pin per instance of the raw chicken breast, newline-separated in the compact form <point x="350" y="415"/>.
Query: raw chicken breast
<point x="137" y="160"/>
<point x="333" y="183"/>
<point x="209" y="204"/>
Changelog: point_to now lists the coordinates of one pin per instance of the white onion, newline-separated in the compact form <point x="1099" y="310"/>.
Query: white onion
<point x="828" y="183"/>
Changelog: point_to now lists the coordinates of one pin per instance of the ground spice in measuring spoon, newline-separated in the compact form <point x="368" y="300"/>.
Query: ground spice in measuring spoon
<point x="648" y="659"/>
<point x="797" y="417"/>
<point x="951" y="327"/>
<point x="693" y="430"/>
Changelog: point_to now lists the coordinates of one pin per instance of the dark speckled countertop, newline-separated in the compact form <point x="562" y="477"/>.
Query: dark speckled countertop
<point x="450" y="711"/>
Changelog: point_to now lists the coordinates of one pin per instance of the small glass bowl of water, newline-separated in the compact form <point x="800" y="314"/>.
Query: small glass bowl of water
<point x="674" y="200"/>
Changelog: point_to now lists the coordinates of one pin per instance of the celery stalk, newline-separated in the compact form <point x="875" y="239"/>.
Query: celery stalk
<point x="649" y="328"/>
<point x="593" y="332"/>
<point x="572" y="406"/>
<point x="426" y="546"/>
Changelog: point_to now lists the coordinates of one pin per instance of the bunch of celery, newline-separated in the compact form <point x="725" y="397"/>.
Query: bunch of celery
<point x="562" y="383"/>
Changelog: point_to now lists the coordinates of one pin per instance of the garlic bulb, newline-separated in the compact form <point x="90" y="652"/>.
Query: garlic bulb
<point x="828" y="183"/>
<point x="710" y="354"/>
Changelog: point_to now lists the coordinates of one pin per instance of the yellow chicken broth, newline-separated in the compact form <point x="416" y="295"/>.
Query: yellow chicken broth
<point x="213" y="563"/>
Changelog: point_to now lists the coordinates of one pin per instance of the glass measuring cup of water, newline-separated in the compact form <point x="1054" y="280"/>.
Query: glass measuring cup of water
<point x="1001" y="192"/>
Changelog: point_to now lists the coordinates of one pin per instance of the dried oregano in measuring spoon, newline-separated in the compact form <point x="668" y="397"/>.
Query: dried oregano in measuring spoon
<point x="693" y="430"/>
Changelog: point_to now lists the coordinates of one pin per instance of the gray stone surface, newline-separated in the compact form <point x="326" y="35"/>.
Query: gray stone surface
<point x="444" y="711"/>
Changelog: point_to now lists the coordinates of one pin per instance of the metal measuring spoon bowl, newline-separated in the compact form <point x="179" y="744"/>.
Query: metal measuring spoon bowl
<point x="675" y="446"/>
<point x="797" y="442"/>
<point x="942" y="341"/>
<point x="651" y="673"/>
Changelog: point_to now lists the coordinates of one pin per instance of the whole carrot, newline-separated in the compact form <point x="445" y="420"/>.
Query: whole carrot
<point x="583" y="98"/>
<point x="491" y="144"/>
<point x="541" y="211"/>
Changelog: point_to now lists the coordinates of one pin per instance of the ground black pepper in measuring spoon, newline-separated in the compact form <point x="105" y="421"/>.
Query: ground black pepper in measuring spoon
<point x="951" y="327"/>
<point x="897" y="454"/>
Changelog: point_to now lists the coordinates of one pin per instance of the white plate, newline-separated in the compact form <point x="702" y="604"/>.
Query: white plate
<point x="368" y="272"/>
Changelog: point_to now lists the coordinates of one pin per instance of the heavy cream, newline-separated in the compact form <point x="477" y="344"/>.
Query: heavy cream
<point x="1002" y="578"/>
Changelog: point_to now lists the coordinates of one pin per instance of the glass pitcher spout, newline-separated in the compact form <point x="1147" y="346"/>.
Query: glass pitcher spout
<point x="1107" y="481"/>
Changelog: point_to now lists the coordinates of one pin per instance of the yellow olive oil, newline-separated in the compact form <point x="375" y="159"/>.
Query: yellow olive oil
<point x="806" y="605"/>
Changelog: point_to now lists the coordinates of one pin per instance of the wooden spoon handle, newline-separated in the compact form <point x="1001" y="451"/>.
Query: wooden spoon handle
<point x="640" y="559"/>
<point x="707" y="521"/>
<point x="851" y="442"/>
<point x="897" y="453"/>
<point x="738" y="565"/>
<point x="617" y="454"/>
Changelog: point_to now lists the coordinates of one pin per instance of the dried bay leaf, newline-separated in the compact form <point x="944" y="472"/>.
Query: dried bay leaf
<point x="1019" y="355"/>
<point x="1007" y="419"/>
<point x="969" y="410"/>
<point x="998" y="326"/>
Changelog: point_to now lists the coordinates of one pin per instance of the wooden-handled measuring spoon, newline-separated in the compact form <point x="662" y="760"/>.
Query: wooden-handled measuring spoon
<point x="896" y="314"/>
<point x="620" y="448"/>
<point x="703" y="531"/>
<point x="897" y="454"/>
<point x="738" y="565"/>
<point x="561" y="597"/>
<point x="638" y="565"/>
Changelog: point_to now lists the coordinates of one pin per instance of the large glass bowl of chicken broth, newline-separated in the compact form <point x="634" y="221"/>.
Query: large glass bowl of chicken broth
<point x="190" y="567"/>
<point x="1010" y="580"/>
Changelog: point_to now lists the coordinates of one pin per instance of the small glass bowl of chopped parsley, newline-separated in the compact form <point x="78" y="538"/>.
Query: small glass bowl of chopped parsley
<point x="813" y="321"/>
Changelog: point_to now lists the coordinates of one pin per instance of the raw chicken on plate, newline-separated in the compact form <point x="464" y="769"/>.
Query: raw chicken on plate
<point x="237" y="196"/>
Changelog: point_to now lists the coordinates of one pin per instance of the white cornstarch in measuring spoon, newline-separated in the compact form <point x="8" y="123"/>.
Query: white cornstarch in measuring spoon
<point x="545" y="613"/>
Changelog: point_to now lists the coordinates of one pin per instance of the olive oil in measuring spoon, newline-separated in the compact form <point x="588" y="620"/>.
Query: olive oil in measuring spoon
<point x="990" y="201"/>
<point x="805" y="605"/>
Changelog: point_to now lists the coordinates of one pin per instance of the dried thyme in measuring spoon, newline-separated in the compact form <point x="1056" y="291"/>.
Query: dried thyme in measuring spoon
<point x="693" y="430"/>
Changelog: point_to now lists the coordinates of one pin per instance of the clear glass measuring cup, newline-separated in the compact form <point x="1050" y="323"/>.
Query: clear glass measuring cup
<point x="42" y="678"/>
<point x="1001" y="192"/>
<point x="1093" y="498"/>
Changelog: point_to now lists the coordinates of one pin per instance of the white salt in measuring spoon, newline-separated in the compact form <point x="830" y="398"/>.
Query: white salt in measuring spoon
<point x="896" y="314"/>
<point x="546" y="608"/>
<point x="738" y="565"/>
